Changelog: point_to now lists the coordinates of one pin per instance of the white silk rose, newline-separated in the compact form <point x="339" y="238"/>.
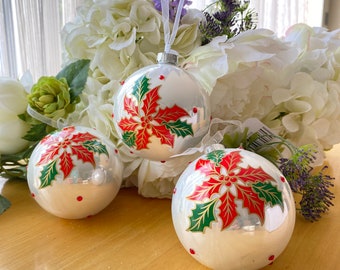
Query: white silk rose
<point x="12" y="103"/>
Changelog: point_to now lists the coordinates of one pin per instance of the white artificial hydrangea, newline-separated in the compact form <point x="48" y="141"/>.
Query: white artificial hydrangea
<point x="291" y="84"/>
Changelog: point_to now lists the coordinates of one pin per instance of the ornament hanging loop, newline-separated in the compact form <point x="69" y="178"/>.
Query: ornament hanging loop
<point x="170" y="38"/>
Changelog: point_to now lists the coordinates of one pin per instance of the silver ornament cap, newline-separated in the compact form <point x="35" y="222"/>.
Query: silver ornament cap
<point x="167" y="58"/>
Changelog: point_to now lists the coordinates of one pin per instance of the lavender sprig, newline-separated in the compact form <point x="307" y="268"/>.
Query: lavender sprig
<point x="173" y="5"/>
<point x="314" y="187"/>
<point x="228" y="17"/>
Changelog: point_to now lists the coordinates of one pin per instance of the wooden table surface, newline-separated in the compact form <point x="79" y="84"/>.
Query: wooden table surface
<point x="137" y="233"/>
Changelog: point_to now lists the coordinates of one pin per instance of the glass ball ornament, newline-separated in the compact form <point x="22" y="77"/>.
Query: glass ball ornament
<point x="233" y="209"/>
<point x="75" y="172"/>
<point x="161" y="110"/>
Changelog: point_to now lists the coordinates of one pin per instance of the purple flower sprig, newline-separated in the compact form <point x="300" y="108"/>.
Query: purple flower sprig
<point x="228" y="18"/>
<point x="173" y="6"/>
<point x="313" y="187"/>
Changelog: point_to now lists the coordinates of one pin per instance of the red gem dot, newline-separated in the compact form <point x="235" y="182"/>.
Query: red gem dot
<point x="79" y="198"/>
<point x="271" y="257"/>
<point x="116" y="151"/>
<point x="122" y="82"/>
<point x="112" y="115"/>
<point x="89" y="216"/>
<point x="192" y="252"/>
<point x="194" y="110"/>
<point x="131" y="152"/>
<point x="162" y="161"/>
<point x="211" y="118"/>
<point x="33" y="195"/>
<point x="282" y="179"/>
<point x="161" y="77"/>
<point x="174" y="191"/>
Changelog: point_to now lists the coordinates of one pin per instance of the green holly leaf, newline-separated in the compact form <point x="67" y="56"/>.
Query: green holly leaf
<point x="76" y="75"/>
<point x="48" y="174"/>
<point x="129" y="138"/>
<point x="140" y="88"/>
<point x="4" y="204"/>
<point x="269" y="193"/>
<point x="216" y="156"/>
<point x="202" y="216"/>
<point x="96" y="147"/>
<point x="179" y="128"/>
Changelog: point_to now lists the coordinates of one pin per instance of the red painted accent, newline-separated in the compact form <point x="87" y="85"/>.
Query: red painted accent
<point x="33" y="195"/>
<point x="282" y="179"/>
<point x="163" y="161"/>
<point x="161" y="77"/>
<point x="192" y="252"/>
<point x="116" y="151"/>
<point x="112" y="115"/>
<point x="174" y="191"/>
<point x="79" y="198"/>
<point x="122" y="82"/>
<point x="271" y="257"/>
<point x="194" y="110"/>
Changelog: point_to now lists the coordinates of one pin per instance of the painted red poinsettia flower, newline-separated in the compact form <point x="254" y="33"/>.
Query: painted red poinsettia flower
<point x="226" y="181"/>
<point x="61" y="147"/>
<point x="146" y="118"/>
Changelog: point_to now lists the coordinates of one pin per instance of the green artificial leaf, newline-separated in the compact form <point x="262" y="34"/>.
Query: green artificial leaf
<point x="140" y="88"/>
<point x="48" y="174"/>
<point x="202" y="216"/>
<point x="36" y="132"/>
<point x="235" y="140"/>
<point x="179" y="128"/>
<point x="129" y="138"/>
<point x="269" y="193"/>
<point x="96" y="147"/>
<point x="216" y="156"/>
<point x="76" y="75"/>
<point x="4" y="204"/>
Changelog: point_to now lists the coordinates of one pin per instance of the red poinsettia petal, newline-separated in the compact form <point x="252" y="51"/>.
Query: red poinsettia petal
<point x="231" y="161"/>
<point x="65" y="132"/>
<point x="251" y="201"/>
<point x="170" y="114"/>
<point x="130" y="107"/>
<point x="227" y="208"/>
<point x="205" y="190"/>
<point x="83" y="153"/>
<point x="66" y="164"/>
<point x="142" y="139"/>
<point x="251" y="174"/>
<point x="128" y="124"/>
<point x="150" y="102"/>
<point x="207" y="167"/>
<point x="82" y="137"/>
<point x="49" y="154"/>
<point x="164" y="135"/>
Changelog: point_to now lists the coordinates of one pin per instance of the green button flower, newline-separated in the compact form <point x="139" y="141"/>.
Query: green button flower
<point x="51" y="97"/>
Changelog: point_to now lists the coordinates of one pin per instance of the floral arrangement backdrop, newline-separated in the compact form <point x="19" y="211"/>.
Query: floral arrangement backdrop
<point x="290" y="84"/>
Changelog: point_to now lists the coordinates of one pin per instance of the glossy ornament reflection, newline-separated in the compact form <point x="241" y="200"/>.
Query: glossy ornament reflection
<point x="161" y="110"/>
<point x="74" y="173"/>
<point x="233" y="209"/>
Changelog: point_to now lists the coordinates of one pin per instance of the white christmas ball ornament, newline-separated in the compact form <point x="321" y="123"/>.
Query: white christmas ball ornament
<point x="74" y="173"/>
<point x="233" y="209"/>
<point x="161" y="110"/>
